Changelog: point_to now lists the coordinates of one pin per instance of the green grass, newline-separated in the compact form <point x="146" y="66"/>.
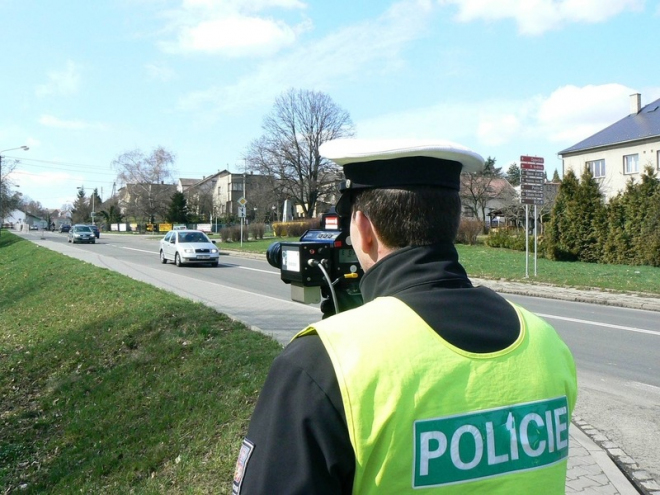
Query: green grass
<point x="108" y="385"/>
<point x="495" y="263"/>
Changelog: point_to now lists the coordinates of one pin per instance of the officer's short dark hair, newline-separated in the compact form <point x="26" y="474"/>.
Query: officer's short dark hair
<point x="411" y="215"/>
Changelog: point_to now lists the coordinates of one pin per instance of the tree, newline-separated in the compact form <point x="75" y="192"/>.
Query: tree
<point x="555" y="177"/>
<point x="288" y="150"/>
<point x="9" y="200"/>
<point x="178" y="210"/>
<point x="632" y="235"/>
<point x="577" y="220"/>
<point x="513" y="174"/>
<point x="111" y="215"/>
<point x="558" y="234"/>
<point x="491" y="170"/>
<point x="82" y="210"/>
<point x="477" y="188"/>
<point x="95" y="202"/>
<point x="148" y="181"/>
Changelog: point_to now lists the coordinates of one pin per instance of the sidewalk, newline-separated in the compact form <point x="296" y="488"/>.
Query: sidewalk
<point x="591" y="470"/>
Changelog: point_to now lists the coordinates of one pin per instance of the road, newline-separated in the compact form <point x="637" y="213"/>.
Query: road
<point x="616" y="349"/>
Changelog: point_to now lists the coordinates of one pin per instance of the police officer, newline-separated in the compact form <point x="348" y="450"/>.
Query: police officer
<point x="433" y="384"/>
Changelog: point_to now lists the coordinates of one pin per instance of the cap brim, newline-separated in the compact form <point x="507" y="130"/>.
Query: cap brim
<point x="345" y="151"/>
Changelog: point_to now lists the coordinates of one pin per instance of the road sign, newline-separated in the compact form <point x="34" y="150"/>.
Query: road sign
<point x="532" y="159"/>
<point x="532" y="178"/>
<point x="242" y="201"/>
<point x="241" y="212"/>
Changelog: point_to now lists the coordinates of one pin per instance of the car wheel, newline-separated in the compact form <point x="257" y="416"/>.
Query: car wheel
<point x="214" y="264"/>
<point x="163" y="259"/>
<point x="177" y="260"/>
<point x="93" y="241"/>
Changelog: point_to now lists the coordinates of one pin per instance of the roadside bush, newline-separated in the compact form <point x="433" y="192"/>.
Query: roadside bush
<point x="225" y="234"/>
<point x="236" y="233"/>
<point x="506" y="238"/>
<point x="257" y="230"/>
<point x="295" y="228"/>
<point x="468" y="231"/>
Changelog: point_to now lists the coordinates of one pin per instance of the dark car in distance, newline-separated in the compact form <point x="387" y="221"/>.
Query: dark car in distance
<point x="96" y="231"/>
<point x="64" y="228"/>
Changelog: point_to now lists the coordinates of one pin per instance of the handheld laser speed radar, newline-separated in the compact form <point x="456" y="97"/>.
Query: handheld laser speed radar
<point x="322" y="264"/>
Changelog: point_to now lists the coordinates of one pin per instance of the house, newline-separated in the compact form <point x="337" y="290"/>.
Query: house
<point x="20" y="220"/>
<point x="218" y="195"/>
<point x="14" y="220"/>
<point x="621" y="151"/>
<point x="482" y="195"/>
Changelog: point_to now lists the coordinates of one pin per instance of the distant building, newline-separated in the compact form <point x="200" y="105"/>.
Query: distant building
<point x="621" y="151"/>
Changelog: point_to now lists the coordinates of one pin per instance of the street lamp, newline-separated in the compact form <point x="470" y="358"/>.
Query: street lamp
<point x="2" y="211"/>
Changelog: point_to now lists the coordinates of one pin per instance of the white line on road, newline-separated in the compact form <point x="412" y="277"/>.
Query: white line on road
<point x="608" y="325"/>
<point x="225" y="264"/>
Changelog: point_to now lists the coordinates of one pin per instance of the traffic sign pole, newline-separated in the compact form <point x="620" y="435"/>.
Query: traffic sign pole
<point x="532" y="180"/>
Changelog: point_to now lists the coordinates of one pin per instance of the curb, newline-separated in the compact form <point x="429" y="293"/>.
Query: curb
<point x="642" y="481"/>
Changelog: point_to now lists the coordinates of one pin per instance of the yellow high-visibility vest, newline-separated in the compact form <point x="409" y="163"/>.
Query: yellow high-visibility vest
<point x="427" y="417"/>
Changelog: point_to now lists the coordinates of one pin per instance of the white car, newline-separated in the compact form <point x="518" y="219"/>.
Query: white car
<point x="188" y="247"/>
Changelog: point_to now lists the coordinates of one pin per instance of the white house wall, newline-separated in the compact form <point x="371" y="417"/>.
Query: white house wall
<point x="615" y="179"/>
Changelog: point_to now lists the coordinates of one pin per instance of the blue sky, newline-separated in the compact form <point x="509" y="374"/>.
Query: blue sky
<point x="85" y="81"/>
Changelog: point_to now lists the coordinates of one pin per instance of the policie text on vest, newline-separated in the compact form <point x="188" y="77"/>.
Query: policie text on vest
<point x="491" y="442"/>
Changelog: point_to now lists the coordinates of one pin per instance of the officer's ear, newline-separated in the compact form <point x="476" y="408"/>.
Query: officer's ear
<point x="367" y="236"/>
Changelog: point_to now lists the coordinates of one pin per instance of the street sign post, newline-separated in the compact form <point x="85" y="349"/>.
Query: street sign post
<point x="532" y="179"/>
<point x="241" y="213"/>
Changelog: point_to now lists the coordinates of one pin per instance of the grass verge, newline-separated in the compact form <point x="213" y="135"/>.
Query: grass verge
<point x="109" y="385"/>
<point x="481" y="261"/>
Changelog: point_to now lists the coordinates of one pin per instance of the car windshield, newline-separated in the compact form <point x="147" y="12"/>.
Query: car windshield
<point x="82" y="229"/>
<point x="192" y="237"/>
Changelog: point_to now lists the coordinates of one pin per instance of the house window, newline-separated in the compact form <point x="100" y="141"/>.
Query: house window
<point x="597" y="168"/>
<point x="236" y="186"/>
<point x="631" y="164"/>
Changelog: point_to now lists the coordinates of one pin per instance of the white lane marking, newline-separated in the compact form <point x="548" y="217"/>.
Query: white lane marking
<point x="226" y="264"/>
<point x="608" y="325"/>
<point x="140" y="250"/>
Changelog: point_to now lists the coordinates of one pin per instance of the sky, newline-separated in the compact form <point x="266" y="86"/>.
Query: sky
<point x="83" y="82"/>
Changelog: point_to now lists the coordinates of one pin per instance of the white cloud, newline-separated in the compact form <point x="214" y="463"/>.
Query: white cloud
<point x="573" y="113"/>
<point x="77" y="125"/>
<point x="566" y="116"/>
<point x="48" y="178"/>
<point x="350" y="53"/>
<point x="160" y="72"/>
<point x="65" y="82"/>
<point x="232" y="28"/>
<point x="535" y="17"/>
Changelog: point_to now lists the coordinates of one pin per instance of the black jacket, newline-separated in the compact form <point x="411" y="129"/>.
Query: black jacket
<point x="298" y="428"/>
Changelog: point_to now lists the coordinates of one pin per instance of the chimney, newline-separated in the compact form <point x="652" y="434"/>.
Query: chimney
<point x="635" y="103"/>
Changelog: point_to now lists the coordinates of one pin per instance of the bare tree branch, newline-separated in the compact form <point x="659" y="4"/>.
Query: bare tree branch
<point x="288" y="150"/>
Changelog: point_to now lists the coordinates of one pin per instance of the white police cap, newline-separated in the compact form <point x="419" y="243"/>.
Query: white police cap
<point x="371" y="164"/>
<point x="347" y="151"/>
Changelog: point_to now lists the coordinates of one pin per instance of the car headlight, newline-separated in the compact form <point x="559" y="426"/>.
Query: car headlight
<point x="188" y="250"/>
<point x="214" y="251"/>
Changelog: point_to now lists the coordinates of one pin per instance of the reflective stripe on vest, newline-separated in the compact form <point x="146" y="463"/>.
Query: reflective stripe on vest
<point x="423" y="414"/>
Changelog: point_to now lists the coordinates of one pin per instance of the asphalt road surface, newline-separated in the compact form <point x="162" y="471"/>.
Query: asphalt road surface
<point x="616" y="349"/>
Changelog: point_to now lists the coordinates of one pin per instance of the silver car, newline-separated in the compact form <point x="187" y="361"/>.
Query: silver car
<point x="188" y="247"/>
<point x="81" y="233"/>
